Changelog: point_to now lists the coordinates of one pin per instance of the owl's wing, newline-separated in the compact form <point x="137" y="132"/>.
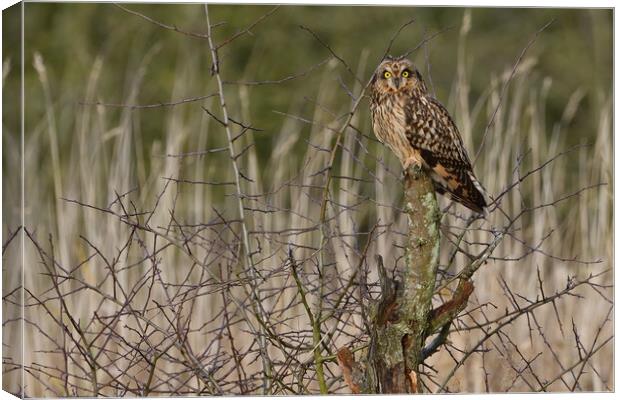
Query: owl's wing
<point x="431" y="130"/>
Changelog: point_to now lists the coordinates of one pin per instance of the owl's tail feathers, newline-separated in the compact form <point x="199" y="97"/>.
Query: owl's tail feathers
<point x="465" y="189"/>
<point x="486" y="199"/>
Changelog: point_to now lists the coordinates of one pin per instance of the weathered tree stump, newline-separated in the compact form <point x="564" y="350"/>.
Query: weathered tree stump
<point x="403" y="318"/>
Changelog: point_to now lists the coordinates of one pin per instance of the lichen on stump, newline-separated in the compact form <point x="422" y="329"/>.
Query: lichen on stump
<point x="401" y="318"/>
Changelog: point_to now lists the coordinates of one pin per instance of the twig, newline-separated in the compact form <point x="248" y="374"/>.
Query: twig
<point x="314" y="323"/>
<point x="333" y="53"/>
<point x="162" y="25"/>
<point x="395" y="35"/>
<point x="282" y="80"/>
<point x="247" y="30"/>
<point x="426" y="39"/>
<point x="256" y="304"/>
<point x="147" y="106"/>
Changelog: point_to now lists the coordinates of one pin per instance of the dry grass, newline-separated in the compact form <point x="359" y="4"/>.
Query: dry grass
<point x="107" y="161"/>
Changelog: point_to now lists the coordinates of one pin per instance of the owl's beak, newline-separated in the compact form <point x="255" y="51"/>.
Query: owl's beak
<point x="397" y="82"/>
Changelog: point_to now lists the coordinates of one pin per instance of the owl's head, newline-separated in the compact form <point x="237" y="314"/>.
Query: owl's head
<point x="397" y="75"/>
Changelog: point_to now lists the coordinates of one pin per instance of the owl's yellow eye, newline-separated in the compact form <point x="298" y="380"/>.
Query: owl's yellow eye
<point x="405" y="74"/>
<point x="387" y="74"/>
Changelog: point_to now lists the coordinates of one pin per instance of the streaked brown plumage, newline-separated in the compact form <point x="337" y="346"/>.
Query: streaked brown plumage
<point x="418" y="129"/>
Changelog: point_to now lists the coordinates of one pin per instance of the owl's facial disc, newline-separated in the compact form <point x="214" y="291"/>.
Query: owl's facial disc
<point x="395" y="74"/>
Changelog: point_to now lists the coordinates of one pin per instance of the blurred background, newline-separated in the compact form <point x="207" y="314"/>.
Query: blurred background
<point x="575" y="52"/>
<point x="87" y="64"/>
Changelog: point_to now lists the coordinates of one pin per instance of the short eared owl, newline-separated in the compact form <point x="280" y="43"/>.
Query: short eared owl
<point x="419" y="130"/>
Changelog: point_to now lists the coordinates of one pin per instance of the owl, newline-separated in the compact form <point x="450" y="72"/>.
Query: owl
<point x="419" y="130"/>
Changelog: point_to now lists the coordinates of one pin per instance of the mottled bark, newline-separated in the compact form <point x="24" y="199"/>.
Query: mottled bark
<point x="402" y="319"/>
<point x="399" y="334"/>
<point x="422" y="260"/>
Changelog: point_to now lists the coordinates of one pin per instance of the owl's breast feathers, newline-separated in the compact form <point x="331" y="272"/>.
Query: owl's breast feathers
<point x="389" y="120"/>
<point x="418" y="126"/>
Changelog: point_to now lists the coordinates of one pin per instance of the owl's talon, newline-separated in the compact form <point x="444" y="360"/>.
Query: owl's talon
<point x="409" y="162"/>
